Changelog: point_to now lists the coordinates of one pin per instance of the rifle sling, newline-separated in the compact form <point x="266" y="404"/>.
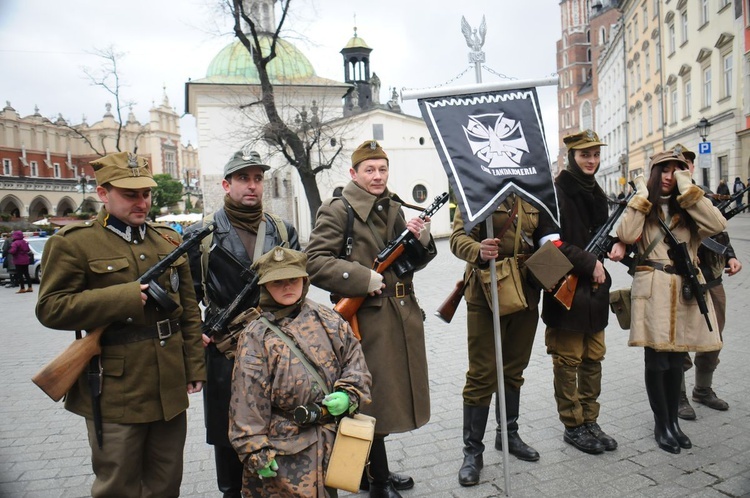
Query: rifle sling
<point x="299" y="354"/>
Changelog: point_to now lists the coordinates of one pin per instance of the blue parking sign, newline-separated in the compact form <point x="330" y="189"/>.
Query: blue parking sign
<point x="704" y="147"/>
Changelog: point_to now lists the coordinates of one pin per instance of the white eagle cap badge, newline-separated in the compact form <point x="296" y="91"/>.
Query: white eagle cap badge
<point x="278" y="255"/>
<point x="373" y="145"/>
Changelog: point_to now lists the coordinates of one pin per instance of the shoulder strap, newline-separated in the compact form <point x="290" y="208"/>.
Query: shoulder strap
<point x="349" y="233"/>
<point x="205" y="249"/>
<point x="302" y="358"/>
<point x="281" y="227"/>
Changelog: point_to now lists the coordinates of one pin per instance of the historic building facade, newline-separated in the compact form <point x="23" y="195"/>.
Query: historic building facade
<point x="45" y="164"/>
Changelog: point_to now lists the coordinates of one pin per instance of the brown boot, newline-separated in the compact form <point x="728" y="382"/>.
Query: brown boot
<point x="684" y="410"/>
<point x="21" y="291"/>
<point x="707" y="396"/>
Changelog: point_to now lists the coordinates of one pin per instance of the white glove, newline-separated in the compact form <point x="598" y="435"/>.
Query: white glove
<point x="424" y="235"/>
<point x="684" y="180"/>
<point x="640" y="186"/>
<point x="376" y="281"/>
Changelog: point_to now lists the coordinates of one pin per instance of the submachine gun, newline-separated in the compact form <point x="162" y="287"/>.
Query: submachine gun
<point x="59" y="375"/>
<point x="400" y="253"/>
<point x="599" y="246"/>
<point x="691" y="287"/>
<point x="724" y="205"/>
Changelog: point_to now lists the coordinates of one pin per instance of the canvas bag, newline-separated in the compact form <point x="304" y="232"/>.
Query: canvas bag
<point x="510" y="288"/>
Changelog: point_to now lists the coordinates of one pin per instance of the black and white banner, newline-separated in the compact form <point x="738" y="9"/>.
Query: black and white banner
<point x="492" y="144"/>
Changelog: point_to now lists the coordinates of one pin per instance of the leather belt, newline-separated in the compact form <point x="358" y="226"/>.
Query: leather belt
<point x="668" y="268"/>
<point x="399" y="290"/>
<point x="161" y="330"/>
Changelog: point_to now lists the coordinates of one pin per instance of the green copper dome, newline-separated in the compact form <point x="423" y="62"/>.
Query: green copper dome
<point x="233" y="64"/>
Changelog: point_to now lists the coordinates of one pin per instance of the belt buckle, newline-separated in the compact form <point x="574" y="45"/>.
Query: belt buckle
<point x="168" y="333"/>
<point x="400" y="289"/>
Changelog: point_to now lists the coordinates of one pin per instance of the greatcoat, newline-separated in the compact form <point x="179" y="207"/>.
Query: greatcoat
<point x="661" y="318"/>
<point x="91" y="280"/>
<point x="391" y="327"/>
<point x="269" y="382"/>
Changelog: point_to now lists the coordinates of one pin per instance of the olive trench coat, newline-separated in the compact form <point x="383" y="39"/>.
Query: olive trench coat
<point x="661" y="318"/>
<point x="391" y="327"/>
<point x="91" y="280"/>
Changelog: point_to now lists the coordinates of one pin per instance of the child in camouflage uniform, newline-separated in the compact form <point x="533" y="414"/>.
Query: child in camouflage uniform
<point x="281" y="457"/>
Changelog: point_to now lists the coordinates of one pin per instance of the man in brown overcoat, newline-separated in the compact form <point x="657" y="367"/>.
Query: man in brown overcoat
<point x="390" y="320"/>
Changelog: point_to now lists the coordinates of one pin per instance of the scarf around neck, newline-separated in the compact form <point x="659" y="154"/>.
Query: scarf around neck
<point x="246" y="218"/>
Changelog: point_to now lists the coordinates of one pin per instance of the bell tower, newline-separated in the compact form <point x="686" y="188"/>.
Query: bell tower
<point x="357" y="72"/>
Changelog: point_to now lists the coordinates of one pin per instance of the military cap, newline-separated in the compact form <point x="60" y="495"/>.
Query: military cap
<point x="244" y="158"/>
<point x="369" y="149"/>
<point x="123" y="170"/>
<point x="280" y="263"/>
<point x="548" y="265"/>
<point x="667" y="156"/>
<point x="687" y="153"/>
<point x="582" y="140"/>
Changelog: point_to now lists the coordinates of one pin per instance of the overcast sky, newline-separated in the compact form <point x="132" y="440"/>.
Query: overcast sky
<point x="45" y="44"/>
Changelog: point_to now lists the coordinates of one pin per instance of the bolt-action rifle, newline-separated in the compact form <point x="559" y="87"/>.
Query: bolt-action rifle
<point x="397" y="253"/>
<point x="691" y="286"/>
<point x="59" y="375"/>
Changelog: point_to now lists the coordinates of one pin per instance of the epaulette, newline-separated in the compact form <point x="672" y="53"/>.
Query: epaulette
<point x="166" y="232"/>
<point x="75" y="226"/>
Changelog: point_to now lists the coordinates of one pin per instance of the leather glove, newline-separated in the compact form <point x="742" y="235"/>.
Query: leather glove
<point x="376" y="281"/>
<point x="337" y="403"/>
<point x="684" y="180"/>
<point x="269" y="470"/>
<point x="424" y="235"/>
<point x="641" y="189"/>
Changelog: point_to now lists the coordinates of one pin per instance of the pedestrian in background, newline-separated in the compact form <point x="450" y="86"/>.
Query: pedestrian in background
<point x="738" y="187"/>
<point x="8" y="261"/>
<point x="723" y="188"/>
<point x="270" y="381"/>
<point x="19" y="253"/>
<point x="663" y="321"/>
<point x="151" y="358"/>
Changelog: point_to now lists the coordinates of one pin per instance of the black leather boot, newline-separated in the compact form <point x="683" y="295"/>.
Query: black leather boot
<point x="516" y="446"/>
<point x="380" y="477"/>
<point x="400" y="482"/>
<point x="673" y="383"/>
<point x="475" y="423"/>
<point x="657" y="398"/>
<point x="228" y="471"/>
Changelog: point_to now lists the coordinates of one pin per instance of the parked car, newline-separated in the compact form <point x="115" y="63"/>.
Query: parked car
<point x="35" y="271"/>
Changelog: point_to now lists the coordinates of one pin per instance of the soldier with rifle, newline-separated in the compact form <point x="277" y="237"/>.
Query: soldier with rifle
<point x="224" y="282"/>
<point x="716" y="256"/>
<point x="350" y="232"/>
<point x="575" y="330"/>
<point x="135" y="393"/>
<point x="667" y="219"/>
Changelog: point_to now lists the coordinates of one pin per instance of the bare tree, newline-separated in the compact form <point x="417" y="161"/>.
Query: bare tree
<point x="297" y="142"/>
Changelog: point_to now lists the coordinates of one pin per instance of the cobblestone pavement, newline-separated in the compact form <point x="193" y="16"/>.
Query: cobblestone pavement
<point x="44" y="453"/>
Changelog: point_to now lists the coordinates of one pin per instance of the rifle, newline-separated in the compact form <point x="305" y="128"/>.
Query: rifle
<point x="691" y="287"/>
<point x="59" y="375"/>
<point x="446" y="310"/>
<point x="722" y="206"/>
<point x="406" y="242"/>
<point x="599" y="246"/>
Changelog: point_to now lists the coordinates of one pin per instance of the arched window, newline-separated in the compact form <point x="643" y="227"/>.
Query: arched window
<point x="586" y="116"/>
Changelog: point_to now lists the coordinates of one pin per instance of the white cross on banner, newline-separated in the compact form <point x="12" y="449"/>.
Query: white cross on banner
<point x="492" y="144"/>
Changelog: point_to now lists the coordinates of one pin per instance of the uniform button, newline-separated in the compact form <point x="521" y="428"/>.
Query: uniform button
<point x="87" y="223"/>
<point x="143" y="257"/>
<point x="135" y="242"/>
<point x="380" y="208"/>
<point x="162" y="343"/>
<point x="402" y="302"/>
<point x="345" y="275"/>
<point x="129" y="320"/>
<point x="110" y="268"/>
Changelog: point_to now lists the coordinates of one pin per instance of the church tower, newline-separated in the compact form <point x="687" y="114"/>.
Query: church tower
<point x="357" y="72"/>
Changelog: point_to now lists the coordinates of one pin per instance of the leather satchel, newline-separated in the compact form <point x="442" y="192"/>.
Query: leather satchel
<point x="351" y="450"/>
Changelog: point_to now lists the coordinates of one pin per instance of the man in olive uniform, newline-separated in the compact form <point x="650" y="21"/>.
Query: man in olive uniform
<point x="390" y="320"/>
<point x="151" y="358"/>
<point x="218" y="267"/>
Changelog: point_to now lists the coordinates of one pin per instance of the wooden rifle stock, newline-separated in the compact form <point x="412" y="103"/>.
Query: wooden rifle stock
<point x="566" y="289"/>
<point x="347" y="307"/>
<point x="59" y="375"/>
<point x="446" y="310"/>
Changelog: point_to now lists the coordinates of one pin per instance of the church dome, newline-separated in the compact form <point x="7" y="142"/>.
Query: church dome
<point x="233" y="64"/>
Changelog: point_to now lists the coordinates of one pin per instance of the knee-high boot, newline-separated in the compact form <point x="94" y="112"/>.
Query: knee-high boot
<point x="657" y="398"/>
<point x="380" y="483"/>
<point x="673" y="382"/>
<point x="475" y="423"/>
<point x="516" y="446"/>
<point x="228" y="471"/>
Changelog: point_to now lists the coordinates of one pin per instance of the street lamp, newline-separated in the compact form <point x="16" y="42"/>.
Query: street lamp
<point x="704" y="127"/>
<point x="83" y="187"/>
